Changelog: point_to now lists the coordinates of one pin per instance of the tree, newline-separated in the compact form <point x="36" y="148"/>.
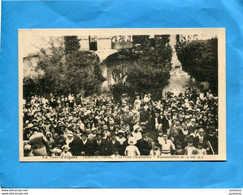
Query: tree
<point x="52" y="62"/>
<point x="71" y="43"/>
<point x="143" y="69"/>
<point x="65" y="69"/>
<point x="200" y="59"/>
<point x="83" y="68"/>
<point x="83" y="72"/>
<point x="31" y="75"/>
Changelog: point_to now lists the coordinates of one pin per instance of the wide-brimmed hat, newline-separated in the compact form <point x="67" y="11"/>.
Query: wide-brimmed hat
<point x="65" y="147"/>
<point x="120" y="132"/>
<point x="132" y="140"/>
<point x="56" y="150"/>
<point x="94" y="129"/>
<point x="30" y="125"/>
<point x="137" y="127"/>
<point x="174" y="110"/>
<point x="34" y="121"/>
<point x="187" y="117"/>
<point x="69" y="133"/>
<point x="200" y="130"/>
<point x="27" y="147"/>
<point x="35" y="129"/>
<point x="165" y="134"/>
<point x="48" y="133"/>
<point x="143" y="123"/>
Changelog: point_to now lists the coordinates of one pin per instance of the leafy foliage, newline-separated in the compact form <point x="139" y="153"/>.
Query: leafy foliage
<point x="200" y="59"/>
<point x="143" y="69"/>
<point x="83" y="72"/>
<point x="71" y="43"/>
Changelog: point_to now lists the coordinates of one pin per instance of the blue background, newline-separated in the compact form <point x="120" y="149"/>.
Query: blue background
<point x="120" y="14"/>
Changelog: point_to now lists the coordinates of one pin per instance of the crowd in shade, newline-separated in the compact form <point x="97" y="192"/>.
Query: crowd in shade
<point x="65" y="126"/>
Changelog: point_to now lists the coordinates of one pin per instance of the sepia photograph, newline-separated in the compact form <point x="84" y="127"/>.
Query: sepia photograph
<point x="122" y="94"/>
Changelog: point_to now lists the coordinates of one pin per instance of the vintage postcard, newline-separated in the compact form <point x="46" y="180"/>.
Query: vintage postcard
<point x="122" y="94"/>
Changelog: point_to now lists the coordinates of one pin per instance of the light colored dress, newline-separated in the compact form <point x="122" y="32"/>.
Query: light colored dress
<point x="132" y="151"/>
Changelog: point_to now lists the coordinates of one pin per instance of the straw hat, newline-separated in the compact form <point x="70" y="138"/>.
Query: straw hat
<point x="131" y="140"/>
<point x="65" y="147"/>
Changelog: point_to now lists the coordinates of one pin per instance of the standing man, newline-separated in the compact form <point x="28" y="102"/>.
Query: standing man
<point x="85" y="146"/>
<point x="165" y="123"/>
<point x="145" y="144"/>
<point x="100" y="147"/>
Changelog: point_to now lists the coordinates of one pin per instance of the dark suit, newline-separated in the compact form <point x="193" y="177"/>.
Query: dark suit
<point x="77" y="146"/>
<point x="122" y="147"/>
<point x="144" y="146"/>
<point x="74" y="147"/>
<point x="165" y="124"/>
<point x="86" y="147"/>
<point x="111" y="146"/>
<point x="100" y="148"/>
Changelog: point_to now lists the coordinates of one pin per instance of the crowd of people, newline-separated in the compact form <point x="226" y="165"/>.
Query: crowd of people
<point x="65" y="126"/>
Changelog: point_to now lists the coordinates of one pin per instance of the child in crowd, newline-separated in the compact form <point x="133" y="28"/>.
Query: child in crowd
<point x="155" y="151"/>
<point x="190" y="149"/>
<point x="179" y="149"/>
<point x="115" y="153"/>
<point x="201" y="150"/>
<point x="132" y="150"/>
<point x="66" y="152"/>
